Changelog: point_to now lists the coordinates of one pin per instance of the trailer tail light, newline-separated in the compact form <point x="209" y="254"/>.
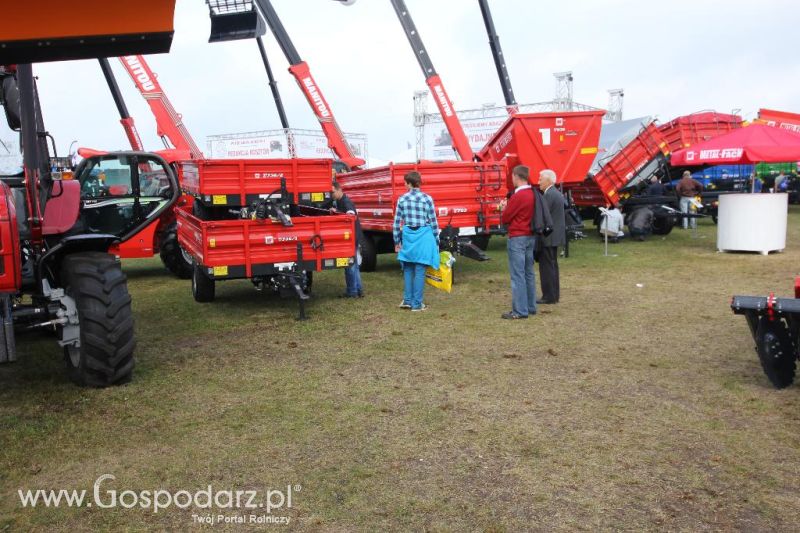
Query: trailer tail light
<point x="797" y="287"/>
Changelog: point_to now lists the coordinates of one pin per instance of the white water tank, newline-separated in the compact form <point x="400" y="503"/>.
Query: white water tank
<point x="752" y="222"/>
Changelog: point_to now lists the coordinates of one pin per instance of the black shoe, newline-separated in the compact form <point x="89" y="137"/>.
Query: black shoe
<point x="545" y="302"/>
<point x="360" y="294"/>
<point x="512" y="316"/>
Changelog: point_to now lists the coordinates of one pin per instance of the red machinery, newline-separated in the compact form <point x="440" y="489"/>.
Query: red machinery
<point x="565" y="142"/>
<point x="687" y="130"/>
<point x="161" y="236"/>
<point x="261" y="219"/>
<point x="57" y="273"/>
<point x="237" y="19"/>
<point x="780" y="119"/>
<point x="642" y="156"/>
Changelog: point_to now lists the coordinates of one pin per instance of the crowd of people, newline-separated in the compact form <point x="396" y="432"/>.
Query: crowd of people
<point x="535" y="224"/>
<point x="534" y="219"/>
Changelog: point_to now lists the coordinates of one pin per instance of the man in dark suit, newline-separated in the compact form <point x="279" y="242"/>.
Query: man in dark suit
<point x="548" y="245"/>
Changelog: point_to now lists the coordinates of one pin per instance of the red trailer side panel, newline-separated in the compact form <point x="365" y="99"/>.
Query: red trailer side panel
<point x="687" y="130"/>
<point x="780" y="119"/>
<point x="563" y="142"/>
<point x="240" y="182"/>
<point x="247" y="248"/>
<point x="466" y="194"/>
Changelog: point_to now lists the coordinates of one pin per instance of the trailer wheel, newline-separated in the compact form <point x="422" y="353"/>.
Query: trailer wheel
<point x="776" y="352"/>
<point x="203" y="287"/>
<point x="369" y="255"/>
<point x="95" y="281"/>
<point x="481" y="241"/>
<point x="175" y="258"/>
<point x="663" y="225"/>
<point x="200" y="210"/>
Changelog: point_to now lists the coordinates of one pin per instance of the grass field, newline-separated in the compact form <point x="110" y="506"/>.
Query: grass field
<point x="625" y="406"/>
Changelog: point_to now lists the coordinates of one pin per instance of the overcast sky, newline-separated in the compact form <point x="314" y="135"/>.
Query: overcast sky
<point x="671" y="58"/>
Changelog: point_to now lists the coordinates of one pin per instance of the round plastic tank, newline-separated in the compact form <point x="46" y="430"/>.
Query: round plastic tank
<point x="752" y="222"/>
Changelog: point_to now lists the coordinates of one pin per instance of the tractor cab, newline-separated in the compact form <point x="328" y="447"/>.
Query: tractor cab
<point x="119" y="193"/>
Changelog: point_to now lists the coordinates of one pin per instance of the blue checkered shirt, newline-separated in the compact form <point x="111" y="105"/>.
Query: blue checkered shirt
<point x="414" y="209"/>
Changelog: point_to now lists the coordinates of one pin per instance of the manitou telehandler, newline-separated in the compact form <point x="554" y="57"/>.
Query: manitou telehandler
<point x="161" y="236"/>
<point x="56" y="272"/>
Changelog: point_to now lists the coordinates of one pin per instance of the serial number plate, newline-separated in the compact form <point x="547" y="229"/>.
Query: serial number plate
<point x="342" y="262"/>
<point x="221" y="271"/>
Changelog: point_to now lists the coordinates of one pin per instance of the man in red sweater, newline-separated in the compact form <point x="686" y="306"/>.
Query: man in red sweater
<point x="517" y="213"/>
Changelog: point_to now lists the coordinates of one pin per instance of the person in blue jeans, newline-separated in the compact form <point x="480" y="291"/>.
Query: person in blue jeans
<point x="341" y="203"/>
<point x="517" y="213"/>
<point x="416" y="240"/>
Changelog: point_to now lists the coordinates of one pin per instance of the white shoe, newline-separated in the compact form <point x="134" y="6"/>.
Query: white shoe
<point x="404" y="305"/>
<point x="423" y="308"/>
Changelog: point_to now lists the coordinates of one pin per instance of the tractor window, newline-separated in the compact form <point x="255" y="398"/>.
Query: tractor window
<point x="120" y="192"/>
<point x="107" y="178"/>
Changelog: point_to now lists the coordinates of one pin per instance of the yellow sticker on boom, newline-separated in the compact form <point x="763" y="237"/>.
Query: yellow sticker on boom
<point x="589" y="150"/>
<point x="317" y="196"/>
<point x="219" y="199"/>
<point x="342" y="262"/>
<point x="221" y="271"/>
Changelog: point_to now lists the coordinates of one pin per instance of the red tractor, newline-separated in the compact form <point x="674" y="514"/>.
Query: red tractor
<point x="56" y="272"/>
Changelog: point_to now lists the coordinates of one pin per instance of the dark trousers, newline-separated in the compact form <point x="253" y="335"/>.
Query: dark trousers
<point x="548" y="272"/>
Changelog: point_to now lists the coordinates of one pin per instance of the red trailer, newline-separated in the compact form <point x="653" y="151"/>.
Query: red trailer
<point x="687" y="130"/>
<point x="640" y="157"/>
<point x="565" y="142"/>
<point x="466" y="195"/>
<point x="241" y="182"/>
<point x="260" y="220"/>
<point x="779" y="119"/>
<point x="274" y="253"/>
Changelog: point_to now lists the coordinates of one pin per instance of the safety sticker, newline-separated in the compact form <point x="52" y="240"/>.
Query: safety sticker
<point x="221" y="271"/>
<point x="218" y="199"/>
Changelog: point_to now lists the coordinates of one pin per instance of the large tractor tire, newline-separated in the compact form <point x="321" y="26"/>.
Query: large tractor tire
<point x="100" y="289"/>
<point x="663" y="225"/>
<point x="369" y="254"/>
<point x="776" y="352"/>
<point x="203" y="287"/>
<point x="175" y="259"/>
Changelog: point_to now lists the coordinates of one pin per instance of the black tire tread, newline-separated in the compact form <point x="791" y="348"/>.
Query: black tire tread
<point x="171" y="255"/>
<point x="96" y="281"/>
<point x="779" y="366"/>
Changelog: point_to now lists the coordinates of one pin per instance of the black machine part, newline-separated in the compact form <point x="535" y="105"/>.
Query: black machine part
<point x="775" y="326"/>
<point x="497" y="54"/>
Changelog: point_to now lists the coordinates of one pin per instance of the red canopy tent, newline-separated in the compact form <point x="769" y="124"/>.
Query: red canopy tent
<point x="756" y="143"/>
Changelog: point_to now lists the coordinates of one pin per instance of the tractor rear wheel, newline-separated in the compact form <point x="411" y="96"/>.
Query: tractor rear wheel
<point x="95" y="281"/>
<point x="776" y="352"/>
<point x="203" y="287"/>
<point x="175" y="259"/>
<point x="369" y="254"/>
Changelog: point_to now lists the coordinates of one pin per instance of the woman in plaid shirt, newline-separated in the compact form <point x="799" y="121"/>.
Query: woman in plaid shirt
<point x="416" y="239"/>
